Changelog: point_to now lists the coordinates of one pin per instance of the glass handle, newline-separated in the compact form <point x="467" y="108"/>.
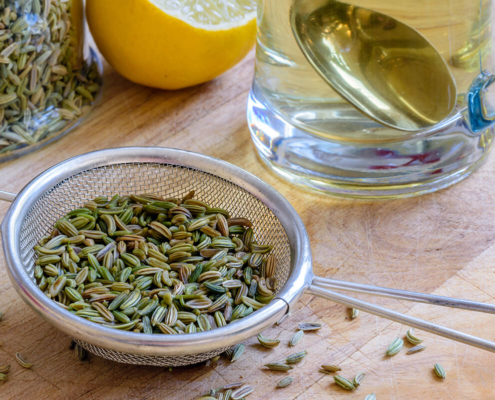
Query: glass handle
<point x="481" y="102"/>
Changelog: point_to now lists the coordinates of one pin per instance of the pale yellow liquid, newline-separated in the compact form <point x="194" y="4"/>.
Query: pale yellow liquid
<point x="459" y="29"/>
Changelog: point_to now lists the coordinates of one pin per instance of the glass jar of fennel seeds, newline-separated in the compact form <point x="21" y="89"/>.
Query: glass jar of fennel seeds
<point x="47" y="82"/>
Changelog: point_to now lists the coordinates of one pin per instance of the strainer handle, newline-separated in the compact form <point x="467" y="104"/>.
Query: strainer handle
<point x="318" y="290"/>
<point x="6" y="196"/>
<point x="405" y="295"/>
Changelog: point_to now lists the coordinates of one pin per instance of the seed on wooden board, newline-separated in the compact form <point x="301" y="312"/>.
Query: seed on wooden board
<point x="212" y="360"/>
<point x="307" y="326"/>
<point x="241" y="392"/>
<point x="439" y="371"/>
<point x="416" y="349"/>
<point x="81" y="353"/>
<point x="296" y="338"/>
<point x="371" y="396"/>
<point x="331" y="368"/>
<point x="233" y="385"/>
<point x="22" y="362"/>
<point x="395" y="347"/>
<point x="411" y="338"/>
<point x="354" y="313"/>
<point x="324" y="371"/>
<point x="268" y="343"/>
<point x="4" y="369"/>
<point x="296" y="357"/>
<point x="238" y="350"/>
<point x="285" y="382"/>
<point x="358" y="379"/>
<point x="344" y="383"/>
<point x="279" y="367"/>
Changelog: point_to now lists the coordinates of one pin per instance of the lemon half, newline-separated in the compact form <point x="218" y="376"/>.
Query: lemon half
<point x="172" y="44"/>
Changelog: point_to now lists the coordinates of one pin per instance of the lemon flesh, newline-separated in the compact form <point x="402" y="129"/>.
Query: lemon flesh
<point x="172" y="44"/>
<point x="216" y="14"/>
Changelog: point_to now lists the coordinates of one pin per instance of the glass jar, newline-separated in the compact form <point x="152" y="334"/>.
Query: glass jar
<point x="309" y="134"/>
<point x="47" y="83"/>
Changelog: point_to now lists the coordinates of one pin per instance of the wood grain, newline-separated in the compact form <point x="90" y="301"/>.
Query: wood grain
<point x="440" y="243"/>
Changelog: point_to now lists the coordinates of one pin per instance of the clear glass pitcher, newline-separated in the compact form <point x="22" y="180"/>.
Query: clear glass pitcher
<point x="309" y="134"/>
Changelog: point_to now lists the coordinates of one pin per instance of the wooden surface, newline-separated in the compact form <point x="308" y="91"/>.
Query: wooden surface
<point x="440" y="243"/>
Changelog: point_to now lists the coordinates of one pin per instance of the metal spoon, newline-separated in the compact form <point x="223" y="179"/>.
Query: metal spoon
<point x="383" y="67"/>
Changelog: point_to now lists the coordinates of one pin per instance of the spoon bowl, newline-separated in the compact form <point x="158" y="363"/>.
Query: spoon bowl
<point x="383" y="67"/>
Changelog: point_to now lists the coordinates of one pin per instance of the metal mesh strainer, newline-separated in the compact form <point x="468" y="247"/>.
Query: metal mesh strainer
<point x="147" y="170"/>
<point x="173" y="173"/>
<point x="172" y="180"/>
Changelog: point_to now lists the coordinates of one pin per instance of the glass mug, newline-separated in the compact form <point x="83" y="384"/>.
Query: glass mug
<point x="309" y="134"/>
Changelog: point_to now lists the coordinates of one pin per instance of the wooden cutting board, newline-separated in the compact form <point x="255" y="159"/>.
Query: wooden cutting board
<point x="440" y="243"/>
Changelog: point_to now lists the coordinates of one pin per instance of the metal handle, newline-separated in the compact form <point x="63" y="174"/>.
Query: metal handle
<point x="405" y="295"/>
<point x="317" y="289"/>
<point x="6" y="196"/>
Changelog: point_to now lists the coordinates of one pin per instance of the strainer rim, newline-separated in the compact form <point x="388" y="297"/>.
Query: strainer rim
<point x="157" y="345"/>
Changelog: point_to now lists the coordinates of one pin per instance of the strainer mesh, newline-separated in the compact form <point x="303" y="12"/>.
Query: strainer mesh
<point x="169" y="181"/>
<point x="126" y="358"/>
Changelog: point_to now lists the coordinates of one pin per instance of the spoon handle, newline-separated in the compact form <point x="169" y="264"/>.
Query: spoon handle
<point x="317" y="290"/>
<point x="405" y="295"/>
